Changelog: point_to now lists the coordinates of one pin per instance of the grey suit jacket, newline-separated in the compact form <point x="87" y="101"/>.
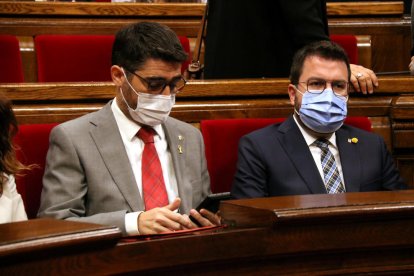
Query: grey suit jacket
<point x="88" y="176"/>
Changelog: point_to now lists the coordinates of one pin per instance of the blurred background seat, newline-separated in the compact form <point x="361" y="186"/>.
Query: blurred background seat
<point x="11" y="69"/>
<point x="73" y="58"/>
<point x="79" y="58"/>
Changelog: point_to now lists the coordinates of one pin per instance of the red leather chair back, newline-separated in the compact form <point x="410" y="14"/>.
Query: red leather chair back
<point x="185" y="42"/>
<point x="78" y="58"/>
<point x="73" y="58"/>
<point x="11" y="68"/>
<point x="350" y="45"/>
<point x="221" y="138"/>
<point x="32" y="142"/>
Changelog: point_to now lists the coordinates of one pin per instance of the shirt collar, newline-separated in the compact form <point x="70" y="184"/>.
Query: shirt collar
<point x="311" y="139"/>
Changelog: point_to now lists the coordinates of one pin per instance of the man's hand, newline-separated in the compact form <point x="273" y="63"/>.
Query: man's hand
<point x="411" y="65"/>
<point x="363" y="79"/>
<point x="206" y="218"/>
<point x="164" y="219"/>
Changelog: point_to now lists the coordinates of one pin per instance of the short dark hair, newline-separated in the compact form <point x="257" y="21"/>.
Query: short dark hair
<point x="135" y="43"/>
<point x="324" y="49"/>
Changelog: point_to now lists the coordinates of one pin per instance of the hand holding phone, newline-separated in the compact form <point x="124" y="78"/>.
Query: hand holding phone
<point x="211" y="203"/>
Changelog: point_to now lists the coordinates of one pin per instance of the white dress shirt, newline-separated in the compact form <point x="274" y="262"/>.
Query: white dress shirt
<point x="316" y="151"/>
<point x="11" y="203"/>
<point x="134" y="148"/>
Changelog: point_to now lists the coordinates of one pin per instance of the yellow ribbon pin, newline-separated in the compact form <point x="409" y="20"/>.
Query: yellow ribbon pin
<point x="353" y="140"/>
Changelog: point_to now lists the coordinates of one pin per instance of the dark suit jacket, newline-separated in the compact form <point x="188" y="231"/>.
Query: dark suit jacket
<point x="249" y="39"/>
<point x="276" y="161"/>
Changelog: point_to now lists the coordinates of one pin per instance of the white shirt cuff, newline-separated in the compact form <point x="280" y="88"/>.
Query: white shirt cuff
<point x="131" y="223"/>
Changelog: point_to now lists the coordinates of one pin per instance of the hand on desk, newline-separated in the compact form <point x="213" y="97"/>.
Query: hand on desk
<point x="163" y="219"/>
<point x="363" y="79"/>
<point x="206" y="218"/>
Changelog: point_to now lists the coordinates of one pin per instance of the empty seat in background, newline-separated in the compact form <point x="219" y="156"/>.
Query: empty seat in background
<point x="350" y="45"/>
<point x="73" y="58"/>
<point x="79" y="58"/>
<point x="11" y="67"/>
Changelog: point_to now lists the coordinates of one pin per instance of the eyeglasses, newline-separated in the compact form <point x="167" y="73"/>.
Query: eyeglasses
<point x="157" y="85"/>
<point x="317" y="86"/>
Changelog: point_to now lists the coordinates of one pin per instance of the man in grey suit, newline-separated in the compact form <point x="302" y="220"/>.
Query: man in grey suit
<point x="93" y="169"/>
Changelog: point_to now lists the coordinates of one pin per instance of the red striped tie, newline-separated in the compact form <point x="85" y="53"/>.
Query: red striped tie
<point x="153" y="186"/>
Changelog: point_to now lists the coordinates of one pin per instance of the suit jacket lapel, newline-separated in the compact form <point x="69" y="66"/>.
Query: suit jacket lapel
<point x="109" y="143"/>
<point x="350" y="160"/>
<point x="177" y="146"/>
<point x="298" y="151"/>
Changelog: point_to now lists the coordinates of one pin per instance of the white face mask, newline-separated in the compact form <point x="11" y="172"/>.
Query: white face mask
<point x="151" y="109"/>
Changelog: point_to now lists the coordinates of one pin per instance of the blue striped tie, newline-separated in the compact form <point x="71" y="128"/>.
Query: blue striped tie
<point x="333" y="182"/>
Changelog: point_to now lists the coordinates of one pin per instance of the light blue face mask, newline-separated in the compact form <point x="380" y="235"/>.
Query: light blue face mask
<point x="322" y="112"/>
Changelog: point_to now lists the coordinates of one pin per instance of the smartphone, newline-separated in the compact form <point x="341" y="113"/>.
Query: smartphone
<point x="211" y="203"/>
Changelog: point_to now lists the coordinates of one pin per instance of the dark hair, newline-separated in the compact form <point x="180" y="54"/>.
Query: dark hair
<point x="325" y="49"/>
<point x="137" y="42"/>
<point x="9" y="164"/>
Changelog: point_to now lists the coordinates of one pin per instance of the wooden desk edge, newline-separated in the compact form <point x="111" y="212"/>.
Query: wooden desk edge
<point x="43" y="234"/>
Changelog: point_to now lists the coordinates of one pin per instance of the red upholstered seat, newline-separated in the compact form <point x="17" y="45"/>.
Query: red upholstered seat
<point x="11" y="69"/>
<point x="350" y="45"/>
<point x="221" y="138"/>
<point x="359" y="122"/>
<point x="32" y="142"/>
<point x="77" y="58"/>
<point x="73" y="58"/>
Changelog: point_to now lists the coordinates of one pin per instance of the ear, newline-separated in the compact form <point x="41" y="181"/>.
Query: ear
<point x="117" y="75"/>
<point x="292" y="94"/>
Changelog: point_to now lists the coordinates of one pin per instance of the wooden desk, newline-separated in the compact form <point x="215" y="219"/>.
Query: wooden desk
<point x="36" y="239"/>
<point x="348" y="234"/>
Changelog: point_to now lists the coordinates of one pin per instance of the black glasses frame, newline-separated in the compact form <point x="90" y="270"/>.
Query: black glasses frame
<point x="159" y="88"/>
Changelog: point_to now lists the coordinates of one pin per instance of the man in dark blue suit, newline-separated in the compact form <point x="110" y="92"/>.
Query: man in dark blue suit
<point x="312" y="152"/>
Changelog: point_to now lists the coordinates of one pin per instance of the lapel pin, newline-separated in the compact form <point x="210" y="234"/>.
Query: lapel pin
<point x="180" y="149"/>
<point x="353" y="140"/>
<point x="180" y="137"/>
